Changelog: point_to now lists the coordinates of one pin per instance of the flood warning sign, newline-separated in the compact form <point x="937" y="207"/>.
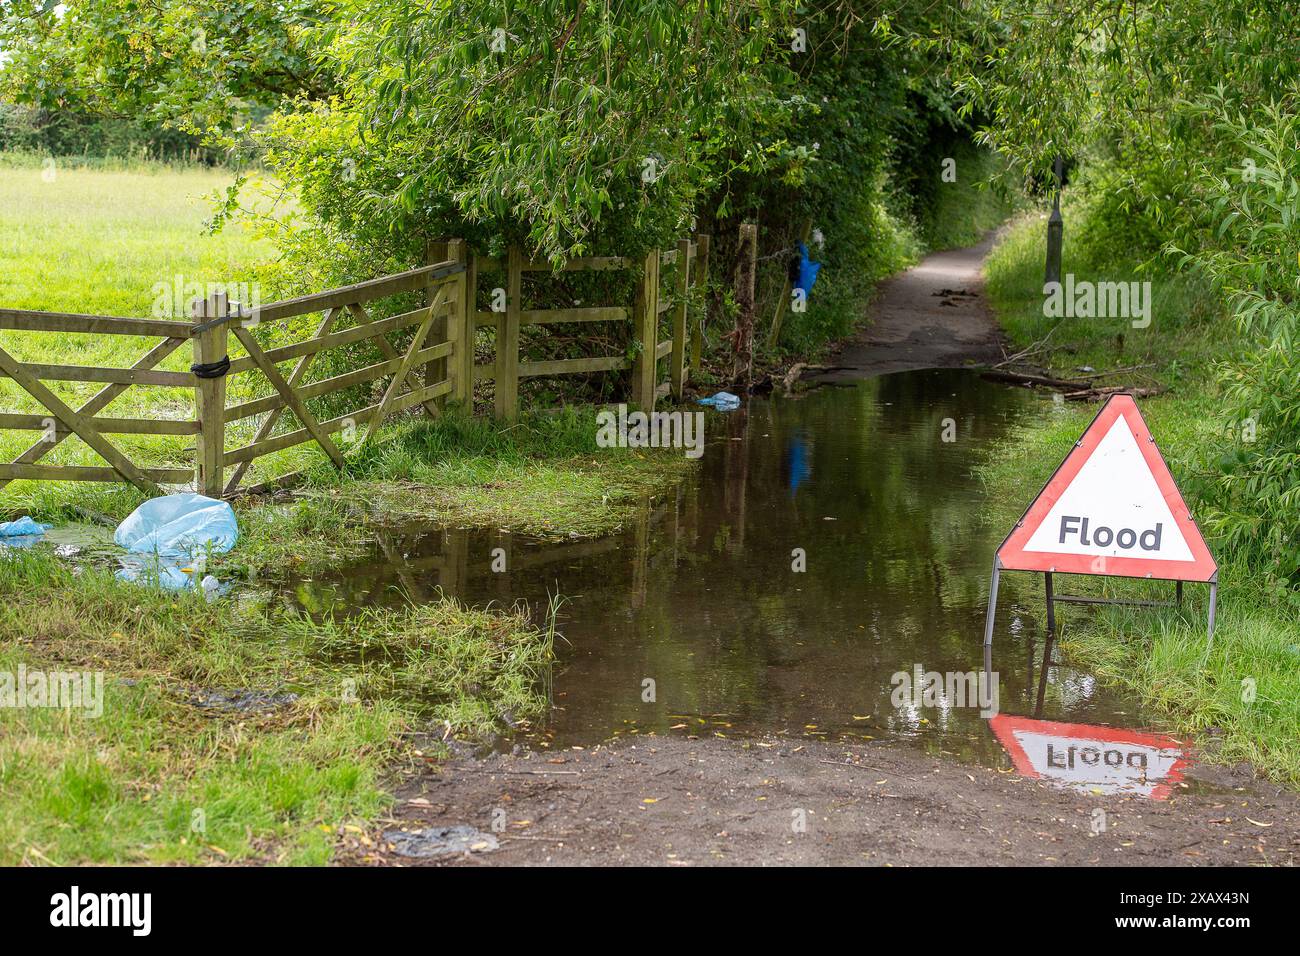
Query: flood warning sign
<point x="1111" y="508"/>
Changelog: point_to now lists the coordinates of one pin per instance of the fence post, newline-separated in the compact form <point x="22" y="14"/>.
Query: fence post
<point x="440" y="331"/>
<point x="210" y="347"/>
<point x="701" y="280"/>
<point x="742" y="367"/>
<point x="507" y="365"/>
<point x="787" y="289"/>
<point x="645" y="326"/>
<point x="678" y="359"/>
<point x="463" y="357"/>
<point x="454" y="325"/>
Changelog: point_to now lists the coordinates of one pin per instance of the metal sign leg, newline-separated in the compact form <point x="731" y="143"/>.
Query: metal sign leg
<point x="993" y="605"/>
<point x="1214" y="601"/>
<point x="1051" y="603"/>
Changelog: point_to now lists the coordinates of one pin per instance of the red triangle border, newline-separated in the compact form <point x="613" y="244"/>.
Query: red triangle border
<point x="1012" y="556"/>
<point x="1004" y="727"/>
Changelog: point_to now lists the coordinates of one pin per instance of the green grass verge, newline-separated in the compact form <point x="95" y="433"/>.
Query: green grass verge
<point x="157" y="779"/>
<point x="1242" y="702"/>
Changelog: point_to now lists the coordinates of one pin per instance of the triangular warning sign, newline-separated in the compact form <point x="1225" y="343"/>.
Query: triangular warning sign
<point x="1111" y="508"/>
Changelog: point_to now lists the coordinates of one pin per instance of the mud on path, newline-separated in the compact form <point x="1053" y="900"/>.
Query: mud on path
<point x="934" y="315"/>
<point x="679" y="802"/>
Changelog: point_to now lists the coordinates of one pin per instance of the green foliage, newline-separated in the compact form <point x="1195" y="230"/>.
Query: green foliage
<point x="1182" y="117"/>
<point x="63" y="133"/>
<point x="203" y="66"/>
<point x="569" y="127"/>
<point x="533" y="123"/>
<point x="1254" y="259"/>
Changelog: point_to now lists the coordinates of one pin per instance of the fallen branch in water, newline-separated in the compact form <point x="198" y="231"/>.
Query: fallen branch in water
<point x="1106" y="391"/>
<point x="1020" y="378"/>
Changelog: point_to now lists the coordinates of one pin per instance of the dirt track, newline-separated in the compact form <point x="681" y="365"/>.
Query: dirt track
<point x="934" y="315"/>
<point x="664" y="801"/>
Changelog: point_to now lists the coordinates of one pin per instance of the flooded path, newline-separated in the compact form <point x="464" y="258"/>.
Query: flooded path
<point x="827" y="544"/>
<point x="714" y="705"/>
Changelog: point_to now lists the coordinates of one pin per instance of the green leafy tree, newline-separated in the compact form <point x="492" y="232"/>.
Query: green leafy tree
<point x="203" y="66"/>
<point x="551" y="123"/>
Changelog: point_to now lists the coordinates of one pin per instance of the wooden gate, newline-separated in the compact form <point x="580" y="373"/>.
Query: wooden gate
<point x="59" y="420"/>
<point x="436" y="363"/>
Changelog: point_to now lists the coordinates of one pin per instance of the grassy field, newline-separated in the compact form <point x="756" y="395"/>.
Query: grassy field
<point x="109" y="242"/>
<point x="156" y="778"/>
<point x="1242" y="702"/>
<point x="100" y="241"/>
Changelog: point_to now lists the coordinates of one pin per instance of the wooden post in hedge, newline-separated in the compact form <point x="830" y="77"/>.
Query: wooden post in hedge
<point x="435" y="371"/>
<point x="702" y="281"/>
<point x="645" y="326"/>
<point x="507" y="365"/>
<point x="742" y="366"/>
<point x="460" y="331"/>
<point x="210" y="347"/>
<point x="678" y="358"/>
<point x="464" y="357"/>
<point x="783" y="302"/>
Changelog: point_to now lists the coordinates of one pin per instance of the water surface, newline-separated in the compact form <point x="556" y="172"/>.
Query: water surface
<point x="699" y="594"/>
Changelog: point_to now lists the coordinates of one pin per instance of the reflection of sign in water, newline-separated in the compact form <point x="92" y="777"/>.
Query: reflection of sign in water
<point x="1088" y="758"/>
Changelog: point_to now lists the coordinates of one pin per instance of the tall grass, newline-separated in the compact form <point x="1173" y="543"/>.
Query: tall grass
<point x="1241" y="700"/>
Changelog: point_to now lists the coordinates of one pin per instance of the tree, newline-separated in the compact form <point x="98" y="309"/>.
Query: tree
<point x="203" y="66"/>
<point x="535" y="121"/>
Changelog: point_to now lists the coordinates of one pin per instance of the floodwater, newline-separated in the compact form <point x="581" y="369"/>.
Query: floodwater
<point x="695" y="621"/>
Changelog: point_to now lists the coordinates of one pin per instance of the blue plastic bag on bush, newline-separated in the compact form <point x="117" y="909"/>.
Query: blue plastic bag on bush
<point x="807" y="271"/>
<point x="179" y="527"/>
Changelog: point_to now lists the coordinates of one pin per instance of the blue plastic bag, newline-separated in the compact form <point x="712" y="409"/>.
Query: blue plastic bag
<point x="723" y="401"/>
<point x="170" y="576"/>
<point x="22" y="527"/>
<point x="807" y="271"/>
<point x="179" y="527"/>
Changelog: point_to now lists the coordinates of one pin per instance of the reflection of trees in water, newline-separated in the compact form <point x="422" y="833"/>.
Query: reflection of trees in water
<point x="698" y="592"/>
<point x="889" y="581"/>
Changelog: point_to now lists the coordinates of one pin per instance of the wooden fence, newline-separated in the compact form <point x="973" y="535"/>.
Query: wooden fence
<point x="437" y="364"/>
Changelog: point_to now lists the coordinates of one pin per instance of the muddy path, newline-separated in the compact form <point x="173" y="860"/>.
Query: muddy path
<point x="774" y="737"/>
<point x="934" y="315"/>
<point x="772" y="801"/>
